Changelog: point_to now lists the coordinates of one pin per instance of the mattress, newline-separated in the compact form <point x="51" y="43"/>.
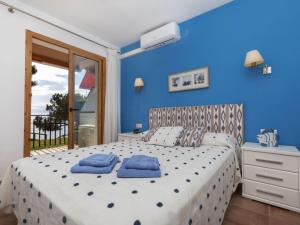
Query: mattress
<point x="195" y="187"/>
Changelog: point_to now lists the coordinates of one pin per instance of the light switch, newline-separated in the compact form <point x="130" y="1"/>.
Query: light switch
<point x="139" y="126"/>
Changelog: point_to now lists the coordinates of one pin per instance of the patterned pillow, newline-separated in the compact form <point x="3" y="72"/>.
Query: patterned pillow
<point x="192" y="137"/>
<point x="149" y="134"/>
<point x="166" y="136"/>
<point x="219" y="139"/>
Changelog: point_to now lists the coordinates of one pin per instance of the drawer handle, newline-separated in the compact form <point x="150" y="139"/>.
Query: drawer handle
<point x="269" y="193"/>
<point x="269" y="177"/>
<point x="269" y="161"/>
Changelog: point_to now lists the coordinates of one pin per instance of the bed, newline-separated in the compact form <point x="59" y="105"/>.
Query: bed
<point x="195" y="187"/>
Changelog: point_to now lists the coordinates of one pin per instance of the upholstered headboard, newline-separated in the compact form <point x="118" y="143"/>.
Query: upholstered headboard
<point x="228" y="118"/>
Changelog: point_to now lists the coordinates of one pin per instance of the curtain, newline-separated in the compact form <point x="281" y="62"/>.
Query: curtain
<point x="112" y="122"/>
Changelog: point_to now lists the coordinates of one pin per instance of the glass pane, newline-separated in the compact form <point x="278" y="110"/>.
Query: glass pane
<point x="85" y="101"/>
<point x="49" y="108"/>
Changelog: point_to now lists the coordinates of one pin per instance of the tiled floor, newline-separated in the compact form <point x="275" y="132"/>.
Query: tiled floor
<point x="50" y="150"/>
<point x="8" y="219"/>
<point x="241" y="211"/>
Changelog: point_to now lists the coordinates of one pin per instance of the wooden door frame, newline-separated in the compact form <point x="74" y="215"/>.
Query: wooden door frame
<point x="28" y="76"/>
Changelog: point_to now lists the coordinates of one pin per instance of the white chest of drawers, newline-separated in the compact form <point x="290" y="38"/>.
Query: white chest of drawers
<point x="272" y="175"/>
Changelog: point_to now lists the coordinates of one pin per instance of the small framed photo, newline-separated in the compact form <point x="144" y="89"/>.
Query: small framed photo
<point x="194" y="79"/>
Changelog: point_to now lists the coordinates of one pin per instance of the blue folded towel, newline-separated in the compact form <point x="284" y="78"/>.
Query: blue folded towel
<point x="142" y="162"/>
<point x="98" y="160"/>
<point x="95" y="170"/>
<point x="134" y="173"/>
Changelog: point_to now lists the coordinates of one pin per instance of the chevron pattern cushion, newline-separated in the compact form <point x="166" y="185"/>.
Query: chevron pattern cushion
<point x="192" y="137"/>
<point x="149" y="134"/>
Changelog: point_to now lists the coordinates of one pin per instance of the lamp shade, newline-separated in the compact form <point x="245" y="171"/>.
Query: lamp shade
<point x="138" y="82"/>
<point x="253" y="58"/>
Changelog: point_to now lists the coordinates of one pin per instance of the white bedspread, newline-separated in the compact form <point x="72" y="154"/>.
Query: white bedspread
<point x="195" y="188"/>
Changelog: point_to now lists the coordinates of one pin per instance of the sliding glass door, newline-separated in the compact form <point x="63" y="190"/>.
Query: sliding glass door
<point x="85" y="112"/>
<point x="73" y="112"/>
<point x="84" y="107"/>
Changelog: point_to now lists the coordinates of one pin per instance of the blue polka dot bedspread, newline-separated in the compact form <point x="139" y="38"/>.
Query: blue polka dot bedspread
<point x="195" y="187"/>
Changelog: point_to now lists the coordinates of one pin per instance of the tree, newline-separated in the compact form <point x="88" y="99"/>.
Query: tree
<point x="58" y="107"/>
<point x="58" y="110"/>
<point x="33" y="71"/>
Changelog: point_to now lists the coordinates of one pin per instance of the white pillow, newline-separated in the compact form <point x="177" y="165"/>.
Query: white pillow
<point x="219" y="139"/>
<point x="166" y="136"/>
<point x="225" y="140"/>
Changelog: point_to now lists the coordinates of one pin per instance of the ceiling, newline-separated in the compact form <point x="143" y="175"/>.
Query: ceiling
<point x="121" y="22"/>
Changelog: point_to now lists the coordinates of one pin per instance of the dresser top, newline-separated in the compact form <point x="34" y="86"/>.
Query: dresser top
<point x="130" y="134"/>
<point x="281" y="149"/>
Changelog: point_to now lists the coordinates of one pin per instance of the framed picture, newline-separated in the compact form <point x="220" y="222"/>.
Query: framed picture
<point x="189" y="80"/>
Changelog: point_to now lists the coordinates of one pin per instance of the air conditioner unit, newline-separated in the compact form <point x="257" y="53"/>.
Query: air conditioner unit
<point x="161" y="36"/>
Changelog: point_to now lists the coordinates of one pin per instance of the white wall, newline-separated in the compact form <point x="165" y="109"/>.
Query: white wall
<point x="12" y="70"/>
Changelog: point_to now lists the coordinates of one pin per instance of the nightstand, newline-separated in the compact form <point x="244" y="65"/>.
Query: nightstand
<point x="129" y="136"/>
<point x="271" y="175"/>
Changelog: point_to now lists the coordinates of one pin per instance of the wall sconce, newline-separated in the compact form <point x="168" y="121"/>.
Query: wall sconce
<point x="138" y="83"/>
<point x="254" y="59"/>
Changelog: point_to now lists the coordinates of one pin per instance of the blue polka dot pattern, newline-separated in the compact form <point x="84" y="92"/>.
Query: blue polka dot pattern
<point x="183" y="171"/>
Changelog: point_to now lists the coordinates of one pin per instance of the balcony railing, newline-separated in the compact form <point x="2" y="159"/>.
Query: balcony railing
<point x="54" y="133"/>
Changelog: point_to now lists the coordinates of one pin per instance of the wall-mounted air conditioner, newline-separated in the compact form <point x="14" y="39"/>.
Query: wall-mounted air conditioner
<point x="161" y="36"/>
<point x="156" y="38"/>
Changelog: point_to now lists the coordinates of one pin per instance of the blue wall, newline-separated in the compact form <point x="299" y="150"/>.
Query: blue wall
<point x="219" y="39"/>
